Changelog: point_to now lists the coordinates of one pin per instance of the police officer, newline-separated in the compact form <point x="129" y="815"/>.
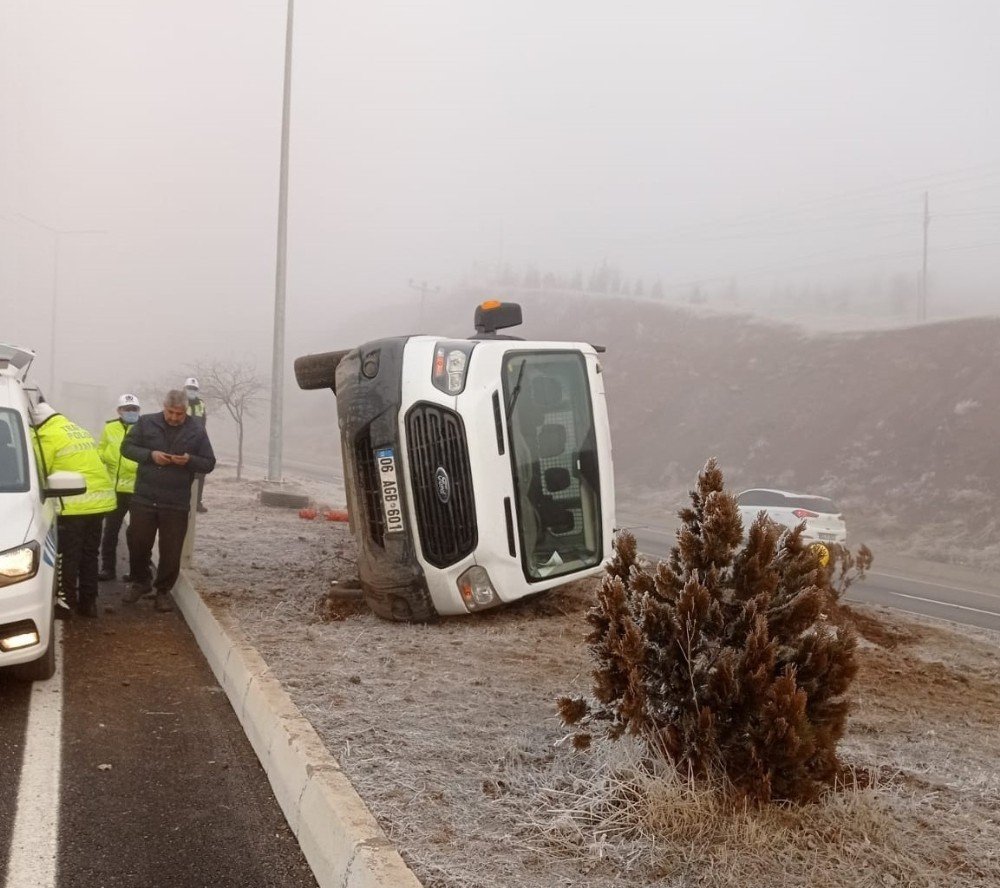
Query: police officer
<point x="122" y="473"/>
<point x="196" y="408"/>
<point x="62" y="446"/>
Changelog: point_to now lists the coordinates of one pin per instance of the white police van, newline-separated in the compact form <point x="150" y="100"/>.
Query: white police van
<point x="28" y="511"/>
<point x="478" y="471"/>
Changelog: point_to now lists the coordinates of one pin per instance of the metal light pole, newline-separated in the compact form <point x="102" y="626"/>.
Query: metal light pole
<point x="278" y="350"/>
<point x="56" y="233"/>
<point x="923" y="271"/>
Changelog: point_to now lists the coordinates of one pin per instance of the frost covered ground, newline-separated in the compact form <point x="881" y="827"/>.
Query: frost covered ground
<point x="449" y="733"/>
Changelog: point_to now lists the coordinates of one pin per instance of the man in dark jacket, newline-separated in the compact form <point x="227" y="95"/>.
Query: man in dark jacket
<point x="170" y="449"/>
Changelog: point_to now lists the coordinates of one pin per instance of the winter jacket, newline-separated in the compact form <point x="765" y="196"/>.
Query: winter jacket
<point x="121" y="470"/>
<point x="62" y="446"/>
<point x="167" y="487"/>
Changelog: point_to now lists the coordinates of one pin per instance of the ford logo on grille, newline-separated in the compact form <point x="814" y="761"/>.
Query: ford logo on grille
<point x="443" y="484"/>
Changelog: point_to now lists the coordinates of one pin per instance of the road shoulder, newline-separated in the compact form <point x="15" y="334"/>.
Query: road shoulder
<point x="339" y="836"/>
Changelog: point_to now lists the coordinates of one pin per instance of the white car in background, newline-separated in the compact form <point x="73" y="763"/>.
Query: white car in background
<point x="28" y="543"/>
<point x="824" y="523"/>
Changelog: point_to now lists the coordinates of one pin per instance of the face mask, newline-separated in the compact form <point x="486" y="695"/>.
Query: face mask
<point x="129" y="416"/>
<point x="192" y="394"/>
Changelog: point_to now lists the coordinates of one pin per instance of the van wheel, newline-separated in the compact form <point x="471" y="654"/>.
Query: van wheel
<point x="410" y="606"/>
<point x="318" y="371"/>
<point x="44" y="667"/>
<point x="283" y="499"/>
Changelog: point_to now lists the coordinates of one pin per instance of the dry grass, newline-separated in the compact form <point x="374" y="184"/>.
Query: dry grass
<point x="625" y="812"/>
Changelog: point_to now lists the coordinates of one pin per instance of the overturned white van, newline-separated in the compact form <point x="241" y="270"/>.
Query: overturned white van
<point x="478" y="471"/>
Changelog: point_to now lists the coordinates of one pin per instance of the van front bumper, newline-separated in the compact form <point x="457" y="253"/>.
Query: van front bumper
<point x="28" y="602"/>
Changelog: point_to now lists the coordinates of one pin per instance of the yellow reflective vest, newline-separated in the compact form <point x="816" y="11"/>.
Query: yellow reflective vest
<point x="62" y="446"/>
<point x="121" y="469"/>
<point x="196" y="409"/>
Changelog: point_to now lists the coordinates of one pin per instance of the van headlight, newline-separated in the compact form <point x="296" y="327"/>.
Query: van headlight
<point x="19" y="564"/>
<point x="451" y="365"/>
<point x="477" y="590"/>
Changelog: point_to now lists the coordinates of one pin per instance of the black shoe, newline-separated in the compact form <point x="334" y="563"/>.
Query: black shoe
<point x="87" y="608"/>
<point x="106" y="575"/>
<point x="201" y="508"/>
<point x="163" y="604"/>
<point x="128" y="577"/>
<point x="63" y="610"/>
<point x="135" y="591"/>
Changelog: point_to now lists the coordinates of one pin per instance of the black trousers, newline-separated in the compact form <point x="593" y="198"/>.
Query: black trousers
<point x="109" y="537"/>
<point x="201" y="487"/>
<point x="145" y="522"/>
<point x="79" y="545"/>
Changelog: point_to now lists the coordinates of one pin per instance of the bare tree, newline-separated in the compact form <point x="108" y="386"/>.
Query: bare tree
<point x="235" y="386"/>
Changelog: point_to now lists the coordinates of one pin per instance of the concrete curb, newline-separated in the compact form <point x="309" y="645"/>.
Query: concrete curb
<point x="339" y="837"/>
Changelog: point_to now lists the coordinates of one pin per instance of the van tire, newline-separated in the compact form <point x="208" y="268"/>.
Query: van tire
<point x="283" y="499"/>
<point x="318" y="371"/>
<point x="412" y="605"/>
<point x="44" y="667"/>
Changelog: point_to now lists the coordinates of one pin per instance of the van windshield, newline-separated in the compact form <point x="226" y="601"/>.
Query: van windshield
<point x="553" y="445"/>
<point x="13" y="456"/>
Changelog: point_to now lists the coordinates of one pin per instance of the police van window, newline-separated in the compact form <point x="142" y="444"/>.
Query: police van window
<point x="553" y="447"/>
<point x="13" y="455"/>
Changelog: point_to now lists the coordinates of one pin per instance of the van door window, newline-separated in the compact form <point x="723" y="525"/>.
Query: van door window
<point x="13" y="455"/>
<point x="553" y="445"/>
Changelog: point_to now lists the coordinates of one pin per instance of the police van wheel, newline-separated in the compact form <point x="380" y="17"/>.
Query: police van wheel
<point x="413" y="607"/>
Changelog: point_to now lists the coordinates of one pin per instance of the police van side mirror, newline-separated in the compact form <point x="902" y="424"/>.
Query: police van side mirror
<point x="64" y="484"/>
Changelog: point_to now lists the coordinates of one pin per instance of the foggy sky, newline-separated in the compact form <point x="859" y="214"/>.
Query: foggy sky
<point x="753" y="145"/>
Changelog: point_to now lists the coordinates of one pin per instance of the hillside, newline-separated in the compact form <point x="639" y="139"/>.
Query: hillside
<point x="899" y="426"/>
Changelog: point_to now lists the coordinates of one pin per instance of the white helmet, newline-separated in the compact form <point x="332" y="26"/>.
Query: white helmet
<point x="191" y="383"/>
<point x="41" y="412"/>
<point x="129" y="401"/>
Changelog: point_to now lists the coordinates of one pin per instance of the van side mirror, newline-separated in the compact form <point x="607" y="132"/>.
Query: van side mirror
<point x="64" y="484"/>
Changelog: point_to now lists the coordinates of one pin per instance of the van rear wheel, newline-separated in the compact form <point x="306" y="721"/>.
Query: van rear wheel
<point x="284" y="499"/>
<point x="318" y="371"/>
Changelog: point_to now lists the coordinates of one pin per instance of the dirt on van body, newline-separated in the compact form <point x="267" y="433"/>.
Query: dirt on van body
<point x="449" y="733"/>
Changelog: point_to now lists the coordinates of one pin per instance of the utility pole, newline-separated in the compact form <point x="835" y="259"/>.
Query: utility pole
<point x="923" y="273"/>
<point x="56" y="233"/>
<point x="424" y="290"/>
<point x="278" y="349"/>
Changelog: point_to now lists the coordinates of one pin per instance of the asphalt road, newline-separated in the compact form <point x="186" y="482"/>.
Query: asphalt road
<point x="958" y="603"/>
<point x="130" y="769"/>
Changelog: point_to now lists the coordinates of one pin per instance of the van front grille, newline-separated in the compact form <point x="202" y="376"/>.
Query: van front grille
<point x="442" y="484"/>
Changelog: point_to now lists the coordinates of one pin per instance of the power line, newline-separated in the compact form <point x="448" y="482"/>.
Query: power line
<point x="900" y="188"/>
<point x="806" y="265"/>
<point x="424" y="289"/>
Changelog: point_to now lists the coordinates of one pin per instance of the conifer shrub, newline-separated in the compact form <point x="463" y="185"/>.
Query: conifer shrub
<point x="729" y="657"/>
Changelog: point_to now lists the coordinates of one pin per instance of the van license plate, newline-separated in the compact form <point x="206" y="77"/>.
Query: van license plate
<point x="385" y="462"/>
